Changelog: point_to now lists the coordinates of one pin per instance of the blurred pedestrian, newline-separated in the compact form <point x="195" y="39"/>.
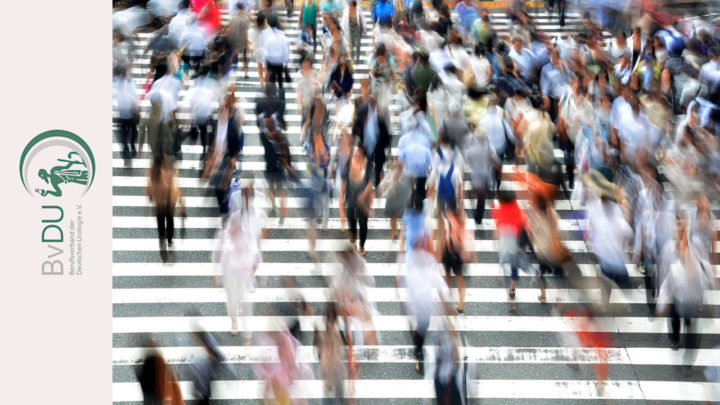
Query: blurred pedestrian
<point x="356" y="196"/>
<point x="164" y="193"/>
<point x="158" y="382"/>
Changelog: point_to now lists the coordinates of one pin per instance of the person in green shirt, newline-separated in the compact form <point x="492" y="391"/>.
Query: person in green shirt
<point x="423" y="74"/>
<point x="308" y="18"/>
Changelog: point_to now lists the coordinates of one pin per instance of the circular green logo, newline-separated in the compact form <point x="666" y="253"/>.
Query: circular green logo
<point x="57" y="163"/>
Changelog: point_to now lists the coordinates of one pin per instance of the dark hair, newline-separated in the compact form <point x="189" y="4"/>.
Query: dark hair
<point x="381" y="50"/>
<point x="241" y="6"/>
<point x="416" y="200"/>
<point x="260" y="20"/>
<point x="506" y="196"/>
<point x="421" y="100"/>
<point x="272" y="21"/>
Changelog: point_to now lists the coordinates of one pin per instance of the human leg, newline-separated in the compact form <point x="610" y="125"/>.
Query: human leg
<point x="363" y="230"/>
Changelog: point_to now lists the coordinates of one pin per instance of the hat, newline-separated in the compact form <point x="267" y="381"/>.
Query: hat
<point x="600" y="186"/>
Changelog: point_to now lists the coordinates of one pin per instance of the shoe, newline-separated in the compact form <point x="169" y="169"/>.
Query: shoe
<point x="675" y="345"/>
<point x="542" y="298"/>
<point x="170" y="243"/>
<point x="512" y="293"/>
<point x="420" y="367"/>
<point x="460" y="311"/>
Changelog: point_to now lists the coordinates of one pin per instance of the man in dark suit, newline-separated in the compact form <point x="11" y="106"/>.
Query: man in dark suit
<point x="372" y="132"/>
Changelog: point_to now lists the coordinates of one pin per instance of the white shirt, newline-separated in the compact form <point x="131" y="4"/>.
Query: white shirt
<point x="608" y="232"/>
<point x="459" y="56"/>
<point x="637" y="132"/>
<point x="709" y="73"/>
<point x="524" y="61"/>
<point x="196" y="39"/>
<point x="479" y="68"/>
<point x="125" y="97"/>
<point x="202" y="95"/>
<point x="276" y="49"/>
<point x="169" y="88"/>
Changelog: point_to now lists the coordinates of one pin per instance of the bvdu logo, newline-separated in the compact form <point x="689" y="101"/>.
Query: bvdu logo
<point x="58" y="167"/>
<point x="57" y="163"/>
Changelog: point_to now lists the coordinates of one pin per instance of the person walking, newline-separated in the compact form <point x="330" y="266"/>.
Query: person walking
<point x="238" y="253"/>
<point x="158" y="381"/>
<point x="156" y="130"/>
<point x="126" y="98"/>
<point x="164" y="193"/>
<point x="371" y="129"/>
<point x="308" y="18"/>
<point x="356" y="196"/>
<point x="456" y="249"/>
<point x="276" y="51"/>
<point x="353" y="25"/>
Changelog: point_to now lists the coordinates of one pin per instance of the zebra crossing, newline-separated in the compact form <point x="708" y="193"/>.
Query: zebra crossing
<point x="519" y="358"/>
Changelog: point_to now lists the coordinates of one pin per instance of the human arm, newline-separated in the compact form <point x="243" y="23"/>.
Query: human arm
<point x="341" y="205"/>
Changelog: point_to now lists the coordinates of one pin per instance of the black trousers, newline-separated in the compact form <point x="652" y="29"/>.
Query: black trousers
<point x="480" y="205"/>
<point x="165" y="223"/>
<point x="355" y="215"/>
<point x="692" y="340"/>
<point x="194" y="62"/>
<point x="128" y="135"/>
<point x="207" y="136"/>
<point x="275" y="74"/>
<point x="562" y="5"/>
<point x="376" y="164"/>
<point x="447" y="393"/>
<point x="569" y="150"/>
<point x="419" y="187"/>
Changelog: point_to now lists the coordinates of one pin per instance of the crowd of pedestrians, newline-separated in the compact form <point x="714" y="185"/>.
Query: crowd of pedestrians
<point x="455" y="129"/>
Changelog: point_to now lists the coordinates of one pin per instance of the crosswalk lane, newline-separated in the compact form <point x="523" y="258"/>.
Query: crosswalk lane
<point x="520" y="358"/>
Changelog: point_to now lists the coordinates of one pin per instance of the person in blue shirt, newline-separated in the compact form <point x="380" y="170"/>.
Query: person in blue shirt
<point x="467" y="12"/>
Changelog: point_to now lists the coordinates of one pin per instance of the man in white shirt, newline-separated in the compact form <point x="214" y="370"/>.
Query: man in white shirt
<point x="276" y="50"/>
<point x="201" y="97"/>
<point x="195" y="40"/>
<point x="126" y="100"/>
<point x="523" y="58"/>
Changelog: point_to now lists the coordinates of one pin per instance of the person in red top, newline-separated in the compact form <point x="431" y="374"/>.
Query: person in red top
<point x="510" y="222"/>
<point x="208" y="14"/>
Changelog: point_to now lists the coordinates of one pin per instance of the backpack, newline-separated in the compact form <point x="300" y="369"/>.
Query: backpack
<point x="446" y="188"/>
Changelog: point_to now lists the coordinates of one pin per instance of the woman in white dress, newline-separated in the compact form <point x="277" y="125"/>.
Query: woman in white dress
<point x="238" y="253"/>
